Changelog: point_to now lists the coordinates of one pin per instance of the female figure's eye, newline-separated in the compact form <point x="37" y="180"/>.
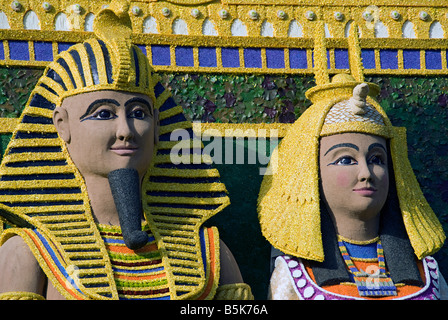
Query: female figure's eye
<point x="378" y="160"/>
<point x="344" y="161"/>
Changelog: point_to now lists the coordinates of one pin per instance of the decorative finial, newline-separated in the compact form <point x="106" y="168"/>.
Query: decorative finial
<point x="358" y="102"/>
<point x="113" y="22"/>
<point x="113" y="26"/>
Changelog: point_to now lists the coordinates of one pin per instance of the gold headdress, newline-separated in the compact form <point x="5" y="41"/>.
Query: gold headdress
<point x="108" y="62"/>
<point x="289" y="201"/>
<point x="40" y="187"/>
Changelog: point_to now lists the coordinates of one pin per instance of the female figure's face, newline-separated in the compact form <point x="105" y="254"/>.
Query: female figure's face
<point x="354" y="174"/>
<point x="107" y="130"/>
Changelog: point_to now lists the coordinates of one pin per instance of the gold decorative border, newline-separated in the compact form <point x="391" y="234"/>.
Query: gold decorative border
<point x="406" y="3"/>
<point x="263" y="11"/>
<point x="241" y="130"/>
<point x="286" y="46"/>
<point x="166" y="12"/>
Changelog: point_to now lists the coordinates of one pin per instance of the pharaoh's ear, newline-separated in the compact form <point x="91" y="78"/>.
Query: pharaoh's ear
<point x="156" y="126"/>
<point x="60" y="120"/>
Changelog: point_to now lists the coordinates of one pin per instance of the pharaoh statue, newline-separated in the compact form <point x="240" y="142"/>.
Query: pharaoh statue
<point x="343" y="209"/>
<point x="94" y="206"/>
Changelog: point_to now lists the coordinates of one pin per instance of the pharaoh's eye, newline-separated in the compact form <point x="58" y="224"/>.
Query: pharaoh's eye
<point x="103" y="115"/>
<point x="138" y="114"/>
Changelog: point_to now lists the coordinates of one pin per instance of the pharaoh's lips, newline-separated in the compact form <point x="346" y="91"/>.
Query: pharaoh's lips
<point x="124" y="150"/>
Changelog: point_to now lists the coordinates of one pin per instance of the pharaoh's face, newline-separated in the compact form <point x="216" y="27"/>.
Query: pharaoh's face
<point x="107" y="130"/>
<point x="354" y="174"/>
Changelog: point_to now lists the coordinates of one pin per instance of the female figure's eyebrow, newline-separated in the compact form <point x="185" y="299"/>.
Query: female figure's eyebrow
<point x="377" y="145"/>
<point x="139" y="100"/>
<point x="343" y="145"/>
<point x="97" y="102"/>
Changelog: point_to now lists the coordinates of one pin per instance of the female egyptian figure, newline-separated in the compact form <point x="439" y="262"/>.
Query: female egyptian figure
<point x="343" y="206"/>
<point x="96" y="207"/>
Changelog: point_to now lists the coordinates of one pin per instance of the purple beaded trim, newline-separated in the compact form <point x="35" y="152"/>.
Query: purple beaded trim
<point x="306" y="289"/>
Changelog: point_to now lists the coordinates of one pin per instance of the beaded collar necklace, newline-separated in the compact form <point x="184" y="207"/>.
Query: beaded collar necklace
<point x="374" y="281"/>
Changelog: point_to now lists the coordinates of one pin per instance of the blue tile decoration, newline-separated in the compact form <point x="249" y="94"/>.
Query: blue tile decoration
<point x="368" y="58"/>
<point x="262" y="58"/>
<point x="252" y="58"/>
<point x="184" y="57"/>
<point x="143" y="48"/>
<point x="19" y="50"/>
<point x="161" y="55"/>
<point x="207" y="57"/>
<point x="43" y="51"/>
<point x="389" y="59"/>
<point x="230" y="57"/>
<point x="411" y="59"/>
<point x="62" y="46"/>
<point x="341" y="59"/>
<point x="298" y="59"/>
<point x="433" y="59"/>
<point x="2" y="51"/>
<point x="275" y="58"/>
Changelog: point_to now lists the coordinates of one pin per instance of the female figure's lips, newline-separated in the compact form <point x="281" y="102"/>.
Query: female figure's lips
<point x="365" y="191"/>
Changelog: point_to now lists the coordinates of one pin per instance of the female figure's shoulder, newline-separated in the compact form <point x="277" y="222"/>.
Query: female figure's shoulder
<point x="280" y="287"/>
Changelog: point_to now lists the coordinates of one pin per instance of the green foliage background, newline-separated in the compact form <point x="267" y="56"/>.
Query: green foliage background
<point x="418" y="103"/>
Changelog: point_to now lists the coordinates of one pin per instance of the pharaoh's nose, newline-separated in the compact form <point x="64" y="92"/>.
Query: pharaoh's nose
<point x="124" y="130"/>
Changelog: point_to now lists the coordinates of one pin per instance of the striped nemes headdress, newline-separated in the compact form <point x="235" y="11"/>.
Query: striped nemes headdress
<point x="108" y="62"/>
<point x="289" y="200"/>
<point x="40" y="187"/>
